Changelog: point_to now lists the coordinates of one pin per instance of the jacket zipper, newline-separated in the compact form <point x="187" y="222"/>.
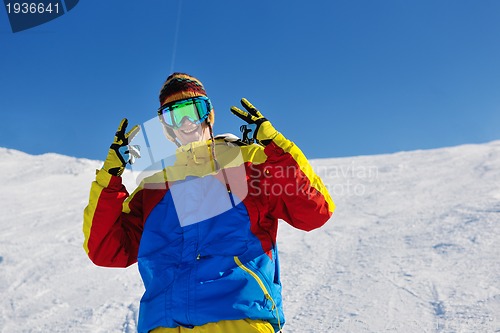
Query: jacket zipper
<point x="261" y="285"/>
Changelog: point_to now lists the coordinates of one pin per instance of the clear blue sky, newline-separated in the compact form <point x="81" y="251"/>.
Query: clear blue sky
<point x="340" y="78"/>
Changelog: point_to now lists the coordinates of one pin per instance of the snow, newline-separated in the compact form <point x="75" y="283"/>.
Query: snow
<point x="413" y="247"/>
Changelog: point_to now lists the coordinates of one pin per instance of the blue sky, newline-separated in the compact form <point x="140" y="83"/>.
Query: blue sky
<point x="339" y="78"/>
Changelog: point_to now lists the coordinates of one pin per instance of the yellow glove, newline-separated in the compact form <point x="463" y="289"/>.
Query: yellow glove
<point x="263" y="131"/>
<point x="121" y="152"/>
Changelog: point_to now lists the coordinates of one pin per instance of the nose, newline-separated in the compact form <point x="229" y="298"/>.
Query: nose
<point x="186" y="122"/>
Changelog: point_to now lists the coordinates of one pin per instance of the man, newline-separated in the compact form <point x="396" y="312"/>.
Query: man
<point x="203" y="229"/>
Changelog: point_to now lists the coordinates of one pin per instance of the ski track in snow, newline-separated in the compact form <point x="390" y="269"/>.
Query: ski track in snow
<point x="413" y="247"/>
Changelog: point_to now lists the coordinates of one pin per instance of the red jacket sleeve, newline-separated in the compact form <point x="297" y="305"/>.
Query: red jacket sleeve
<point x="111" y="226"/>
<point x="297" y="195"/>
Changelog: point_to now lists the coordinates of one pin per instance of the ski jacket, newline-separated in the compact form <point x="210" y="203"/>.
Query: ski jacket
<point x="203" y="230"/>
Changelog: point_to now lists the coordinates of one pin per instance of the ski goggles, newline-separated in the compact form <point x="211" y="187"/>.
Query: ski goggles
<point x="195" y="109"/>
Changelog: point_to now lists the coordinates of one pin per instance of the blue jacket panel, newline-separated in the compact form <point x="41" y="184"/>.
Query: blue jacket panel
<point x="209" y="270"/>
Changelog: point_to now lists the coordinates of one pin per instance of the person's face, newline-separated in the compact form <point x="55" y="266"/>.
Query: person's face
<point x="191" y="132"/>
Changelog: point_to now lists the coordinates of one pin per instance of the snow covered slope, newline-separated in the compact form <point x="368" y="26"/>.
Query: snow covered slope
<point x="414" y="246"/>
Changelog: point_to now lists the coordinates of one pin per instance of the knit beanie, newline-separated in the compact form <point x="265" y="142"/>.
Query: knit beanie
<point x="179" y="86"/>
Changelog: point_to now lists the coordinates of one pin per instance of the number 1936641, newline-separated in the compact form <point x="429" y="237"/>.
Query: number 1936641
<point x="32" y="8"/>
